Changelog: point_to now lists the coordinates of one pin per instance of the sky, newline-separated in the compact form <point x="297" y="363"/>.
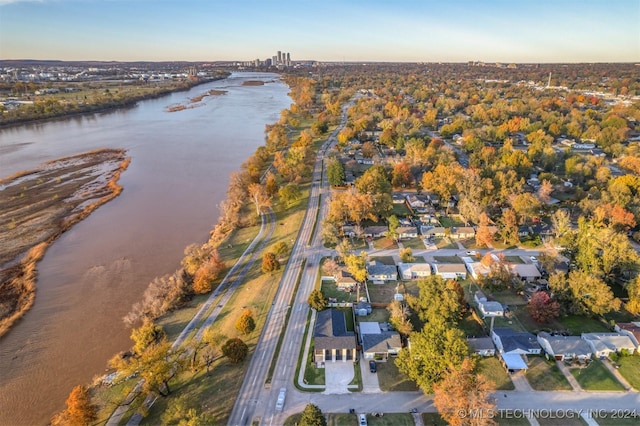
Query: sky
<point x="518" y="31"/>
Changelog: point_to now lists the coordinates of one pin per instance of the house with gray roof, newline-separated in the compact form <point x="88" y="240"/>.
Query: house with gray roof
<point x="413" y="271"/>
<point x="380" y="273"/>
<point x="564" y="347"/>
<point x="377" y="343"/>
<point x="375" y="231"/>
<point x="406" y="232"/>
<point x="482" y="346"/>
<point x="603" y="344"/>
<point x="508" y="340"/>
<point x="450" y="271"/>
<point x="332" y="341"/>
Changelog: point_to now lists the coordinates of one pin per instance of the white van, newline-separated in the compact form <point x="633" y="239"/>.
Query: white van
<point x="280" y="401"/>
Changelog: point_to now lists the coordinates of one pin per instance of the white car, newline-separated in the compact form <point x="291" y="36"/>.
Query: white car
<point x="363" y="420"/>
<point x="533" y="259"/>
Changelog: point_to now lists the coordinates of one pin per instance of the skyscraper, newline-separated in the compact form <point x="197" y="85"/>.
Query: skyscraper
<point x="279" y="57"/>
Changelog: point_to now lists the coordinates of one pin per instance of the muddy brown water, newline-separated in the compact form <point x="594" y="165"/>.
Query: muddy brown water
<point x="93" y="273"/>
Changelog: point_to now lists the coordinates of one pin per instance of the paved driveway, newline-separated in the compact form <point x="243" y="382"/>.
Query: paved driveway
<point x="370" y="382"/>
<point x="337" y="376"/>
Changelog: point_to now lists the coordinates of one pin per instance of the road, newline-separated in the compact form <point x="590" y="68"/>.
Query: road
<point x="255" y="400"/>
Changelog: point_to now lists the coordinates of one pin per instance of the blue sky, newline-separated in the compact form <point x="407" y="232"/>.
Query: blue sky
<point x="328" y="30"/>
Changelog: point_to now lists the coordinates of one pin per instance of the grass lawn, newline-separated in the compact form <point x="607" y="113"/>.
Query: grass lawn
<point x="381" y="293"/>
<point x="545" y="375"/>
<point x="445" y="243"/>
<point x="630" y="369"/>
<point x="384" y="243"/>
<point x="329" y="289"/>
<point x="391" y="419"/>
<point x="493" y="370"/>
<point x="433" y="419"/>
<point x="387" y="260"/>
<point x="413" y="243"/>
<point x="515" y="259"/>
<point x="505" y="322"/>
<point x="448" y="259"/>
<point x="376" y="315"/>
<point x="340" y="419"/>
<point x="450" y="221"/>
<point x="392" y="380"/>
<point x="596" y="377"/>
<point x="578" y="324"/>
<point x="471" y="327"/>
<point x="400" y="210"/>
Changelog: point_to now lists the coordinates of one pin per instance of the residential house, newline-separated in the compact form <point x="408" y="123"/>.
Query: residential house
<point x="344" y="280"/>
<point x="482" y="346"/>
<point x="413" y="271"/>
<point x="488" y="308"/>
<point x="416" y="201"/>
<point x="631" y="329"/>
<point x="362" y="309"/>
<point x="525" y="271"/>
<point x="513" y="346"/>
<point x="398" y="198"/>
<point x="463" y="232"/>
<point x="351" y="230"/>
<point x="564" y="347"/>
<point x="378" y="343"/>
<point x="375" y="231"/>
<point x="524" y="231"/>
<point x="475" y="268"/>
<point x="436" y="232"/>
<point x="406" y="232"/>
<point x="450" y="271"/>
<point x="380" y="273"/>
<point x="332" y="341"/>
<point x="603" y="344"/>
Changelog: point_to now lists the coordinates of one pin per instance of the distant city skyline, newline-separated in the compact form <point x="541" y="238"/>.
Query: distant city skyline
<point x="333" y="30"/>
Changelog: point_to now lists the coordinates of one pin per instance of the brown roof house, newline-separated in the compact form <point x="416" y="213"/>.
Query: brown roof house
<point x="332" y="341"/>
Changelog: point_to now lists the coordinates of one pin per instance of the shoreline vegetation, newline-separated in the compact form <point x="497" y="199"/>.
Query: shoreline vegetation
<point x="90" y="100"/>
<point x="37" y="206"/>
<point x="278" y="175"/>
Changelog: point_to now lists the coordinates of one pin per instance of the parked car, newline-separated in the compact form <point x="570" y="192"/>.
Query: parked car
<point x="363" y="419"/>
<point x="372" y="366"/>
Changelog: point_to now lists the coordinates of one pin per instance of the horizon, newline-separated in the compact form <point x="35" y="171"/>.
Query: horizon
<point x="355" y="31"/>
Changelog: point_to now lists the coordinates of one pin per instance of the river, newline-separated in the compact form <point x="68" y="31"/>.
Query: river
<point x="93" y="273"/>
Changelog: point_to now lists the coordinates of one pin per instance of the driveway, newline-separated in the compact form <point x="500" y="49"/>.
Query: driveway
<point x="337" y="376"/>
<point x="370" y="382"/>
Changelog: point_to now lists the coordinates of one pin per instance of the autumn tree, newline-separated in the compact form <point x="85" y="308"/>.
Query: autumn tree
<point x="270" y="262"/>
<point x="376" y="184"/>
<point x="208" y="272"/>
<point x="271" y="184"/>
<point x="316" y="300"/>
<point x="183" y="411"/>
<point x="289" y="194"/>
<point x="245" y="323"/>
<point x="194" y="256"/>
<point x="236" y="350"/>
<point x="259" y="196"/>
<point x="508" y="226"/>
<point x="146" y="335"/>
<point x="212" y="342"/>
<point x="312" y="416"/>
<point x="80" y="410"/>
<point x="399" y="315"/>
<point x="484" y="236"/>
<point x="357" y="266"/>
<point x="394" y="224"/>
<point x="633" y="291"/>
<point x="463" y="391"/>
<point x="401" y="175"/>
<point x="406" y="255"/>
<point x="434" y="349"/>
<point x="344" y="249"/>
<point x="542" y="308"/>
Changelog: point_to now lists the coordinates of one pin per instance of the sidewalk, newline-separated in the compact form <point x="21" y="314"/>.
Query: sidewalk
<point x="572" y="380"/>
<point x="520" y="382"/>
<point x="617" y="375"/>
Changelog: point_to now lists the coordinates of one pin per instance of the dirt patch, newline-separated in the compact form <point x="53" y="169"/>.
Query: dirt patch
<point x="36" y="206"/>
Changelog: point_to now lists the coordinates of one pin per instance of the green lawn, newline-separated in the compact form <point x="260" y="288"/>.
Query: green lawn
<point x="493" y="370"/>
<point x="391" y="419"/>
<point x="445" y="243"/>
<point x="329" y="289"/>
<point x="450" y="221"/>
<point x="384" y="243"/>
<point x="630" y="369"/>
<point x="596" y="377"/>
<point x="381" y="293"/>
<point x="391" y="380"/>
<point x="545" y="375"/>
<point x="340" y="419"/>
<point x="514" y="259"/>
<point x="413" y="243"/>
<point x="433" y="419"/>
<point x="448" y="259"/>
<point x="471" y="327"/>
<point x="387" y="260"/>
<point x="578" y="324"/>
<point x="400" y="210"/>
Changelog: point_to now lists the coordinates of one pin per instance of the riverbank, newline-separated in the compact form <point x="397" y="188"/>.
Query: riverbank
<point x="51" y="108"/>
<point x="37" y="206"/>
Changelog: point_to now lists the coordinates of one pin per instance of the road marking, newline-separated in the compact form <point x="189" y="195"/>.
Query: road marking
<point x="242" y="416"/>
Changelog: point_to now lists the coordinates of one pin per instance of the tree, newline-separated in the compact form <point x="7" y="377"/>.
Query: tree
<point x="399" y="317"/>
<point x="335" y="172"/>
<point x="182" y="411"/>
<point x="270" y="262"/>
<point x="212" y="344"/>
<point x="312" y="416"/>
<point x="406" y="255"/>
<point x="289" y="193"/>
<point x="357" y="266"/>
<point x="394" y="224"/>
<point x="584" y="293"/>
<point x="344" y="249"/>
<point x="208" y="272"/>
<point x="463" y="391"/>
<point x="436" y="300"/>
<point x="542" y="308"/>
<point x="194" y="256"/>
<point x="509" y="227"/>
<point x="317" y="300"/>
<point x="434" y="349"/>
<point x="245" y="323"/>
<point x="146" y="335"/>
<point x="484" y="236"/>
<point x="236" y="350"/>
<point x="633" y="290"/>
<point x="401" y="175"/>
<point x="80" y="410"/>
<point x="271" y="184"/>
<point x="259" y="196"/>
